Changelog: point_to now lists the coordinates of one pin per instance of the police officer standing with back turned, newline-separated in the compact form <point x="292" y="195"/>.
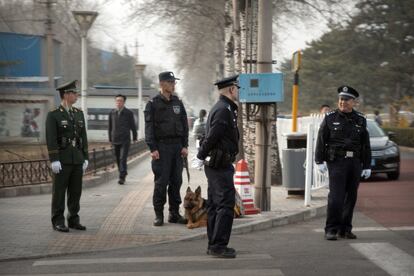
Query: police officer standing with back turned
<point x="218" y="151"/>
<point x="166" y="134"/>
<point x="343" y="143"/>
<point x="67" y="145"/>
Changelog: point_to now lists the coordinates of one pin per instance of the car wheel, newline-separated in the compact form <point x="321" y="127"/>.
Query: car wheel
<point x="393" y="175"/>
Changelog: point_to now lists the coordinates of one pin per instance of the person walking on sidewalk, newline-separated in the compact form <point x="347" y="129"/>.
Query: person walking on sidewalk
<point x="166" y="134"/>
<point x="67" y="146"/>
<point x="121" y="124"/>
<point x="218" y="151"/>
<point x="343" y="143"/>
<point x="199" y="128"/>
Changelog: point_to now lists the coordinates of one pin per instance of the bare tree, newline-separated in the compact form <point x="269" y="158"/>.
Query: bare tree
<point x="206" y="34"/>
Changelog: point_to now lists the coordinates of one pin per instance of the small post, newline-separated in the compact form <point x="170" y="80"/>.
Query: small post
<point x="296" y="62"/>
<point x="309" y="164"/>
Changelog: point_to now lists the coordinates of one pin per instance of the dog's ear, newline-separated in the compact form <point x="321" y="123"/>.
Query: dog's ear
<point x="198" y="191"/>
<point x="189" y="189"/>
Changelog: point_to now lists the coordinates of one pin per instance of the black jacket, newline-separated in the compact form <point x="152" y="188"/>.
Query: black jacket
<point x="165" y="121"/>
<point x="221" y="129"/>
<point x="346" y="132"/>
<point x="121" y="125"/>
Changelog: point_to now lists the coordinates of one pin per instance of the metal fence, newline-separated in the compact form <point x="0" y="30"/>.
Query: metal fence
<point x="19" y="173"/>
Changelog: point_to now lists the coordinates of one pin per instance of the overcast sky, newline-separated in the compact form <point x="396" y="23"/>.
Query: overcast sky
<point x="113" y="30"/>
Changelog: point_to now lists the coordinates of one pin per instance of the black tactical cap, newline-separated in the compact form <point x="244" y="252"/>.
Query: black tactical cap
<point x="167" y="76"/>
<point x="226" y="82"/>
<point x="68" y="87"/>
<point x="347" y="92"/>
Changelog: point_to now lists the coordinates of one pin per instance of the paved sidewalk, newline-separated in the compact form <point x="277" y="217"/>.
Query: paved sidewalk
<point x="119" y="216"/>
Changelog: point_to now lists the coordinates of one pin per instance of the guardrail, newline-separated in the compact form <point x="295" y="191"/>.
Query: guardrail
<point x="20" y="173"/>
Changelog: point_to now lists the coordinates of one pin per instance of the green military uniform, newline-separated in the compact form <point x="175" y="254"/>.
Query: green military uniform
<point x="67" y="142"/>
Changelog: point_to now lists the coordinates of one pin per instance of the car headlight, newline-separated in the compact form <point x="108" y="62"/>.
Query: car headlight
<point x="391" y="150"/>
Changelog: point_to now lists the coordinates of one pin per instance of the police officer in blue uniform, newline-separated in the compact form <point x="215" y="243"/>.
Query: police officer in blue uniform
<point x="343" y="148"/>
<point x="218" y="151"/>
<point x="166" y="134"/>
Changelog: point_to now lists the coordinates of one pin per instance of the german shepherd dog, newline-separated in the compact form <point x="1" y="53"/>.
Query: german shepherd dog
<point x="195" y="208"/>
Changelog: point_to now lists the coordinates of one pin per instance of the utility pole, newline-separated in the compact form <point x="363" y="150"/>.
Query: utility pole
<point x="50" y="46"/>
<point x="263" y="125"/>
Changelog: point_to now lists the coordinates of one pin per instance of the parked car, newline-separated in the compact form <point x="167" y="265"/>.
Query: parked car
<point x="385" y="153"/>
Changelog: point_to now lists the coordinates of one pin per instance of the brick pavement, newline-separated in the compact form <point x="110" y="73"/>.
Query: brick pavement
<point x="119" y="216"/>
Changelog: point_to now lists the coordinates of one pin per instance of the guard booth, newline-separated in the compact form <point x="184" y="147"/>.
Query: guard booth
<point x="293" y="160"/>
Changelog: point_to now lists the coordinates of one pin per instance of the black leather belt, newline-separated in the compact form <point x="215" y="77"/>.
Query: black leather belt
<point x="67" y="141"/>
<point x="175" y="140"/>
<point x="347" y="154"/>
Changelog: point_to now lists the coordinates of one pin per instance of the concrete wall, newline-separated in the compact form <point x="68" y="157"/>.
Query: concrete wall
<point x="23" y="117"/>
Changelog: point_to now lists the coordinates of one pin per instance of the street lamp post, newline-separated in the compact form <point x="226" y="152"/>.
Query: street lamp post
<point x="140" y="70"/>
<point x="85" y="20"/>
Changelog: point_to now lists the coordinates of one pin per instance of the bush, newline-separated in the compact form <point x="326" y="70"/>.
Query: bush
<point x="403" y="136"/>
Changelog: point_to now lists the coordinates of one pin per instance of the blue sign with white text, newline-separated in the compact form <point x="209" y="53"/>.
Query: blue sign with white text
<point x="261" y="88"/>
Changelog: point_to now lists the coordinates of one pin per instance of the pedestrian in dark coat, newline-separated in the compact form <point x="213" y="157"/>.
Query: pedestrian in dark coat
<point x="121" y="124"/>
<point x="343" y="148"/>
<point x="218" y="151"/>
<point x="67" y="145"/>
<point x="166" y="134"/>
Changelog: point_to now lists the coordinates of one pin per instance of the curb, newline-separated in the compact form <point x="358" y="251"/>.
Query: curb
<point x="259" y="225"/>
<point x="262" y="224"/>
<point x="90" y="181"/>
<point x="406" y="149"/>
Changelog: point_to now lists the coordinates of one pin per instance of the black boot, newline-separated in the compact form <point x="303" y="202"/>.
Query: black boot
<point x="175" y="217"/>
<point x="159" y="219"/>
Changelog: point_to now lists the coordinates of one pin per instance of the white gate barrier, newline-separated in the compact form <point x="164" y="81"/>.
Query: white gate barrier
<point x="314" y="179"/>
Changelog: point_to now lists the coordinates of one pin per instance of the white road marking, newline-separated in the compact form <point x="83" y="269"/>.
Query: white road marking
<point x="388" y="257"/>
<point x="367" y="229"/>
<point x="227" y="272"/>
<point x="402" y="228"/>
<point x="203" y="258"/>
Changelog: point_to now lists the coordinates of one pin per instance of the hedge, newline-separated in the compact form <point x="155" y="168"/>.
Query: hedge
<point x="403" y="136"/>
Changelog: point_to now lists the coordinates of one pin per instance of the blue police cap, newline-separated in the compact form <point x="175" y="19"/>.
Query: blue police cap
<point x="167" y="76"/>
<point x="347" y="92"/>
<point x="226" y="82"/>
<point x="68" y="87"/>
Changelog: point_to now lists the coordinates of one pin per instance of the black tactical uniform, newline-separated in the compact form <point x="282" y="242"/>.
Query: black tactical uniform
<point x="343" y="142"/>
<point x="166" y="130"/>
<point x="219" y="150"/>
<point x="67" y="142"/>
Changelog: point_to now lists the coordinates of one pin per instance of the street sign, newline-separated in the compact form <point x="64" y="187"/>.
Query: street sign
<point x="261" y="88"/>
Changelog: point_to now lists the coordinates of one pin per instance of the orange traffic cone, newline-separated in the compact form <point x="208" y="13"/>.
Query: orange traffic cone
<point x="243" y="187"/>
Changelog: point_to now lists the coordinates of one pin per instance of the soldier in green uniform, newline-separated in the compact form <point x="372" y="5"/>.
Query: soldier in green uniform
<point x="67" y="145"/>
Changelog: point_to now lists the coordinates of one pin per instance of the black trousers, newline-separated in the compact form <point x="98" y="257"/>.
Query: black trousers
<point x="121" y="153"/>
<point x="69" y="181"/>
<point x="221" y="200"/>
<point x="344" y="177"/>
<point x="168" y="172"/>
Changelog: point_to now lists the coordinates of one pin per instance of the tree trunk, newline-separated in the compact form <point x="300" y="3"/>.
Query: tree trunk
<point x="228" y="41"/>
<point x="238" y="70"/>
